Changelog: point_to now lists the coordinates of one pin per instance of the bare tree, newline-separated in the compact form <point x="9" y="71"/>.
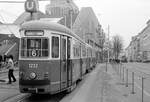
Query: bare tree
<point x="117" y="45"/>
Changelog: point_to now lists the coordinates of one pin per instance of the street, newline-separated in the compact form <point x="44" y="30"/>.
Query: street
<point x="135" y="86"/>
<point x="97" y="86"/>
<point x="75" y="50"/>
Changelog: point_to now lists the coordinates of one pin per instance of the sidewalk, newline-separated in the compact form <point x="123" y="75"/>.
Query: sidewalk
<point x="102" y="86"/>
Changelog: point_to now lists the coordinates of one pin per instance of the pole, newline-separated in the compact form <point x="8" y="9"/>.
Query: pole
<point x="71" y="19"/>
<point x="126" y="77"/>
<point x="142" y="89"/>
<point x="133" y="83"/>
<point x="123" y="75"/>
<point x="120" y="71"/>
<point x="65" y="20"/>
<point x="108" y="43"/>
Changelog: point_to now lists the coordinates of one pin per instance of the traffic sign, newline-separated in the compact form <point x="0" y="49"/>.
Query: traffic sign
<point x="31" y="6"/>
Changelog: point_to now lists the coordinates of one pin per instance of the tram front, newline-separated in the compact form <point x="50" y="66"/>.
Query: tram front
<point x="33" y="62"/>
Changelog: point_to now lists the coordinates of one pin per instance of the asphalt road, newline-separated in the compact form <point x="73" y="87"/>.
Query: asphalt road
<point x="135" y="84"/>
<point x="10" y="92"/>
<point x="97" y="86"/>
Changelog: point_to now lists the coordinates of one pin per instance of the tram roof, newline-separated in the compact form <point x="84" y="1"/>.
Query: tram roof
<point x="41" y="25"/>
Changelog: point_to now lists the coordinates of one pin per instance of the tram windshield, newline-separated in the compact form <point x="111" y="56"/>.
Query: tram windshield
<point x="34" y="47"/>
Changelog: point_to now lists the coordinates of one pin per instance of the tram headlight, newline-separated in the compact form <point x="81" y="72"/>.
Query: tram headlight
<point x="32" y="75"/>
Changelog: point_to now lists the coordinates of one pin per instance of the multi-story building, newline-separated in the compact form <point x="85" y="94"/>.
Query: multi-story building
<point x="140" y="45"/>
<point x="84" y="22"/>
<point x="65" y="9"/>
<point x="132" y="51"/>
<point x="87" y="25"/>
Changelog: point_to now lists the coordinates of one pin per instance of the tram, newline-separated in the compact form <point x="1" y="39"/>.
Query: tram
<point x="51" y="58"/>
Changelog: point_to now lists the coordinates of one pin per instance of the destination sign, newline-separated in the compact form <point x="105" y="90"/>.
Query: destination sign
<point x="34" y="33"/>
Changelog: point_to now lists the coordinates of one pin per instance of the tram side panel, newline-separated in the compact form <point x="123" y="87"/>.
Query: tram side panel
<point x="76" y="65"/>
<point x="84" y="62"/>
<point x="75" y="70"/>
<point x="88" y="60"/>
<point x="83" y="58"/>
<point x="55" y="76"/>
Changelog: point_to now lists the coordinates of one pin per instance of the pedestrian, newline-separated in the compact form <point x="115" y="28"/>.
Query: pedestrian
<point x="10" y="66"/>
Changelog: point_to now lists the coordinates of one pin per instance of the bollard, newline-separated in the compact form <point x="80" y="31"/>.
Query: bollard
<point x="126" y="77"/>
<point x="120" y="71"/>
<point x="123" y="75"/>
<point x="133" y="83"/>
<point x="143" y="89"/>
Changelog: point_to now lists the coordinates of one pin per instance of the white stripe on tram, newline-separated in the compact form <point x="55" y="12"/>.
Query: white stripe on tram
<point x="55" y="82"/>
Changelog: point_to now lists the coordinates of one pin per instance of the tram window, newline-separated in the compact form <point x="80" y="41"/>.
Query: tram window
<point x="64" y="48"/>
<point x="55" y="47"/>
<point x="44" y="47"/>
<point x="34" y="47"/>
<point x="68" y="49"/>
<point x="74" y="51"/>
<point x="23" y="45"/>
<point x="83" y="51"/>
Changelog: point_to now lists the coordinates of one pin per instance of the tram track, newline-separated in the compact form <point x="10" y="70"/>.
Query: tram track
<point x="42" y="98"/>
<point x="16" y="98"/>
<point x="23" y="98"/>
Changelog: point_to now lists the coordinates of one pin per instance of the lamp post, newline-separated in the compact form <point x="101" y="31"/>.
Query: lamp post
<point x="71" y="14"/>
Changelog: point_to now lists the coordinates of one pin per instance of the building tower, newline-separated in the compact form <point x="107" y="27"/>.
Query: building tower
<point x="66" y="9"/>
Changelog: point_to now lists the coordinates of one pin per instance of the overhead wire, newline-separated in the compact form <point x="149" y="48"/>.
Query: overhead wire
<point x="18" y="1"/>
<point x="12" y="1"/>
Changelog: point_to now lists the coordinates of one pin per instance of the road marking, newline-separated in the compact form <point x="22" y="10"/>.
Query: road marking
<point x="145" y="92"/>
<point x="24" y="97"/>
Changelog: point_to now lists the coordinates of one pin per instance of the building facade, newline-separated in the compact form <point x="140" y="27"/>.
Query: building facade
<point x="140" y="45"/>
<point x="65" y="9"/>
<point x="87" y="26"/>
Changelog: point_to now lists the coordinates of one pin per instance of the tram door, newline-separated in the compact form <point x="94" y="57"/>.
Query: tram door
<point x="63" y="62"/>
<point x="69" y="63"/>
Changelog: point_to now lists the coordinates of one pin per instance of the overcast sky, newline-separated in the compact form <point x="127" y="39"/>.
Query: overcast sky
<point x="125" y="17"/>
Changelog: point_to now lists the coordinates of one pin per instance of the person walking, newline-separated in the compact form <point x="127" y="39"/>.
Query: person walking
<point x="10" y="66"/>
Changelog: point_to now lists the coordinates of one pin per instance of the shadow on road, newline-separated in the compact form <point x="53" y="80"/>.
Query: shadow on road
<point x="45" y="97"/>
